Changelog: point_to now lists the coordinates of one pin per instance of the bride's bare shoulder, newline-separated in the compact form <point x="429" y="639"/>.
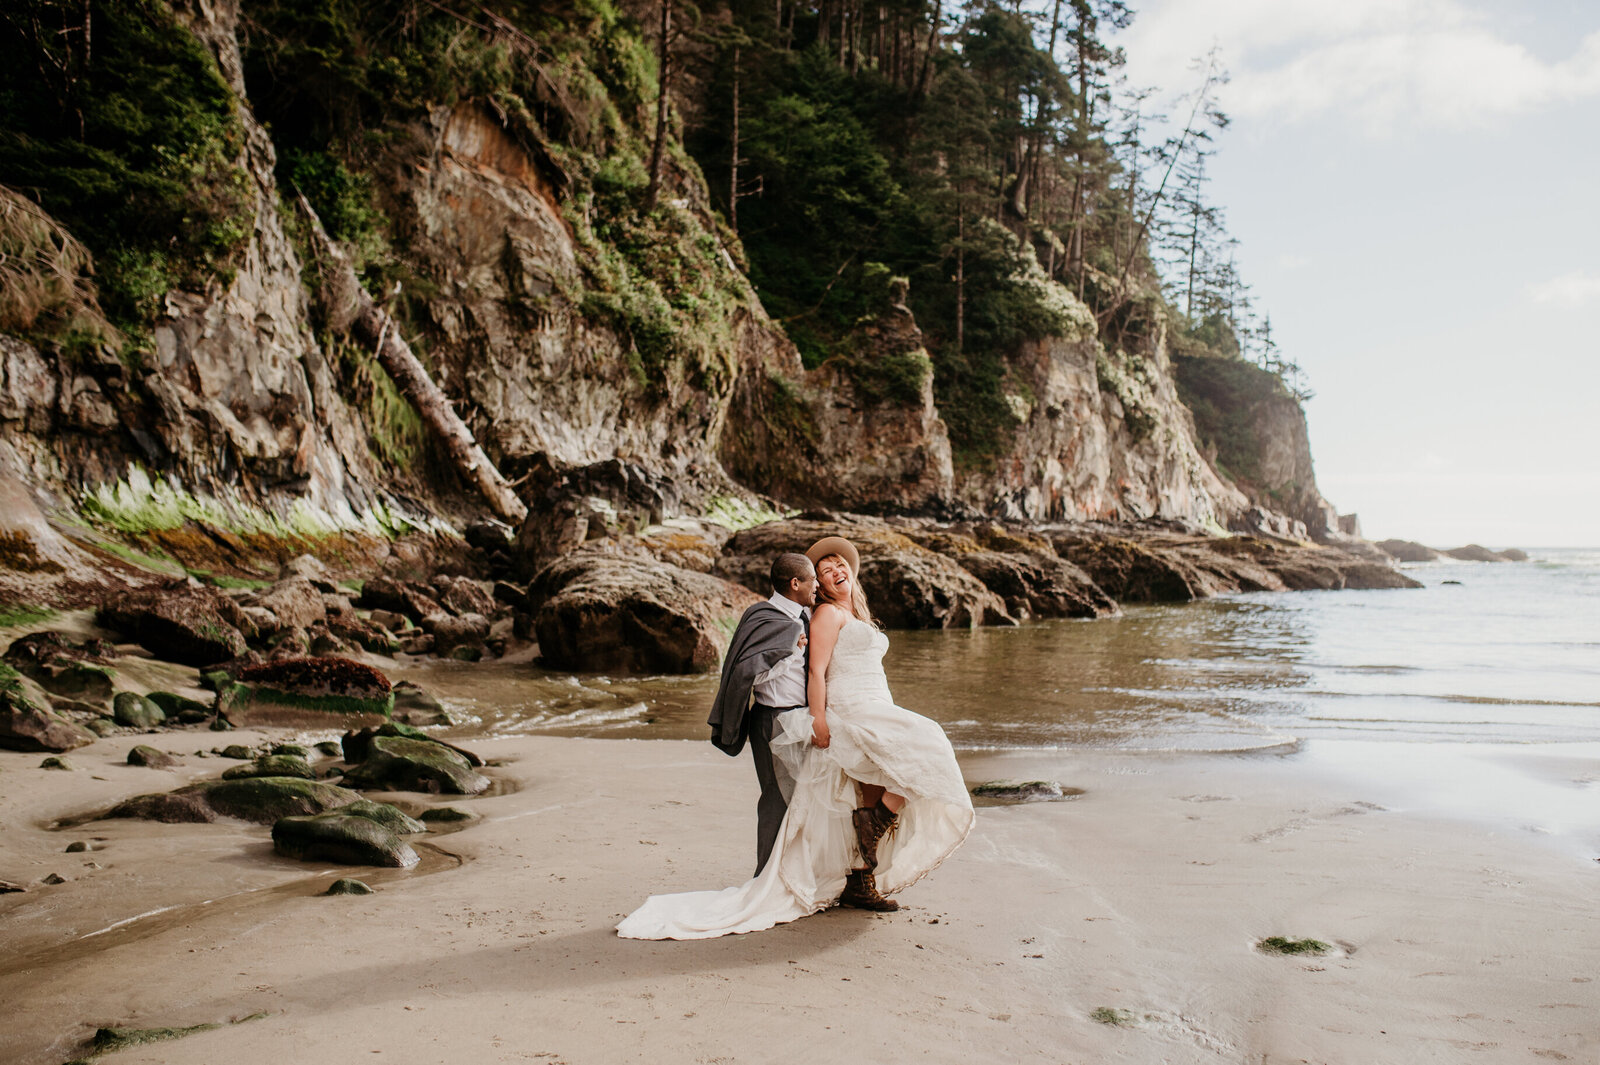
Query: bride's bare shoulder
<point x="830" y="615"/>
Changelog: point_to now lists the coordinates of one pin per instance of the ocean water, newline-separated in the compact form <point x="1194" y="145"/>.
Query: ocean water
<point x="1486" y="653"/>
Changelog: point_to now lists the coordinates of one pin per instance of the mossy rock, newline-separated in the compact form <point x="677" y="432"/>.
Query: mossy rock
<point x="1025" y="791"/>
<point x="237" y="750"/>
<point x="294" y="749"/>
<point x="446" y="815"/>
<point x="132" y="710"/>
<point x="395" y="763"/>
<point x="102" y="726"/>
<point x="340" y="837"/>
<point x="56" y="762"/>
<point x="272" y="765"/>
<point x="331" y="748"/>
<point x="357" y="743"/>
<point x="262" y="800"/>
<point x="172" y="705"/>
<point x="386" y="814"/>
<point x="347" y="886"/>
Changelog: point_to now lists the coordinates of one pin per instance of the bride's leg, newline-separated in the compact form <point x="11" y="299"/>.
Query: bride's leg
<point x="873" y="794"/>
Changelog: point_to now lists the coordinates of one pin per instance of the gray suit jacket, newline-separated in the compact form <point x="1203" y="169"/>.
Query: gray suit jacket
<point x="765" y="637"/>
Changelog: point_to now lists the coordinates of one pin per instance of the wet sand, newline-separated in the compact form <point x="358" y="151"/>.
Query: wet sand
<point x="1453" y="939"/>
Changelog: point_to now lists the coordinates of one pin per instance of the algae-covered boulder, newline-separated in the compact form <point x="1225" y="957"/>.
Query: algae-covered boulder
<point x="345" y="886"/>
<point x="272" y="765"/>
<point x="396" y="763"/>
<point x="355" y="745"/>
<point x="386" y="814"/>
<point x="195" y="626"/>
<point x="262" y="800"/>
<point x="132" y="710"/>
<point x="303" y="690"/>
<point x="25" y="724"/>
<point x="341" y="837"/>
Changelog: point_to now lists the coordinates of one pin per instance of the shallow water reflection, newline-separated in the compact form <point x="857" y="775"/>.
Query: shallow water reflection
<point x="1506" y="655"/>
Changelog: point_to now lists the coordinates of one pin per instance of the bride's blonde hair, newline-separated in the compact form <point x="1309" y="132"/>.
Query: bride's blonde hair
<point x="858" y="598"/>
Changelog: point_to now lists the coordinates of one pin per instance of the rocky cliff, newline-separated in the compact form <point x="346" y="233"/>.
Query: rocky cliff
<point x="621" y="358"/>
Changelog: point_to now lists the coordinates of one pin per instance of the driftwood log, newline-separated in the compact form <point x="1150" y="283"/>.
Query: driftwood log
<point x="351" y="309"/>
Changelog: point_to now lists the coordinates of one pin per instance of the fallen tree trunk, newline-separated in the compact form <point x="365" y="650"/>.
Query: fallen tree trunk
<point x="351" y="309"/>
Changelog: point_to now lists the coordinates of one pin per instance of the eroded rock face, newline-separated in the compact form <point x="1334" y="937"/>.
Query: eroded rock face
<point x="64" y="667"/>
<point x="601" y="612"/>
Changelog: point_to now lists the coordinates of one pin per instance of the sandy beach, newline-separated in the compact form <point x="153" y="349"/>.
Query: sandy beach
<point x="1452" y="940"/>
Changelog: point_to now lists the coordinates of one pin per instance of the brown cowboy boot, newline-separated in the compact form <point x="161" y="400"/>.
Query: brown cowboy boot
<point x="861" y="891"/>
<point x="872" y="824"/>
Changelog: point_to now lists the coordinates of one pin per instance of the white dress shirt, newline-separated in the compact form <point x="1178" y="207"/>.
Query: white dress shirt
<point x="784" y="685"/>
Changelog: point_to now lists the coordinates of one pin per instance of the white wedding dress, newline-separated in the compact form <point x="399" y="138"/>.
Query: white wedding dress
<point x="871" y="740"/>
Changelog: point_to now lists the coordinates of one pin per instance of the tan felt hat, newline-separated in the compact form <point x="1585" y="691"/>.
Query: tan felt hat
<point x="835" y="545"/>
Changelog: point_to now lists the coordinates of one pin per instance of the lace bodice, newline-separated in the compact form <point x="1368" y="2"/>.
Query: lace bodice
<point x="856" y="668"/>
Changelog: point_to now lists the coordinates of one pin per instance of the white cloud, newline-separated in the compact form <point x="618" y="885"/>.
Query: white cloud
<point x="1568" y="290"/>
<point x="1386" y="64"/>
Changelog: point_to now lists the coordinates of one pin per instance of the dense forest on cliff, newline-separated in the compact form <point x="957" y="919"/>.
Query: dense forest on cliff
<point x="984" y="159"/>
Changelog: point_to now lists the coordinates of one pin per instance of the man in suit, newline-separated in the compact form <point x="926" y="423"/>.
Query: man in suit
<point x="764" y="674"/>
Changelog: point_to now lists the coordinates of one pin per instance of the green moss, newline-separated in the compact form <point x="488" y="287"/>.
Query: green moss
<point x="23" y="614"/>
<point x="1114" y="1017"/>
<point x="138" y="156"/>
<point x="1281" y="945"/>
<point x="736" y="514"/>
<point x="896" y="378"/>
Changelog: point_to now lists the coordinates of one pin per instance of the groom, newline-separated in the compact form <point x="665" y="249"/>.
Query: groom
<point x="763" y="674"/>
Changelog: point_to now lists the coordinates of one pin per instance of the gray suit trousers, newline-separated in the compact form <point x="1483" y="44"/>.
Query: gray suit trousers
<point x="777" y="784"/>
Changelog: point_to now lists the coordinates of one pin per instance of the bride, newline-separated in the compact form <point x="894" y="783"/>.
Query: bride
<point x="878" y="799"/>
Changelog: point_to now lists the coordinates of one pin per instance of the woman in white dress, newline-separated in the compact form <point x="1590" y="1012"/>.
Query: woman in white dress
<point x="878" y="800"/>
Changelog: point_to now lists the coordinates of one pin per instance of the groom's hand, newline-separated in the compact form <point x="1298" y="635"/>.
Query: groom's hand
<point x="819" y="731"/>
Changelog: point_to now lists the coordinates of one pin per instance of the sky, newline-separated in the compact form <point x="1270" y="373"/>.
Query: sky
<point x="1415" y="186"/>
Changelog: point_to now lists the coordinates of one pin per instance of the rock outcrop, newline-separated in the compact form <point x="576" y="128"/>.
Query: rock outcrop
<point x="601" y="611"/>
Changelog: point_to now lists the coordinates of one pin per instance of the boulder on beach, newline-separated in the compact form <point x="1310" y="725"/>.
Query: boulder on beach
<point x="341" y="837"/>
<point x="295" y="603"/>
<point x="356" y="745"/>
<point x="399" y="597"/>
<point x="346" y="886"/>
<point x="396" y="763"/>
<point x="262" y="800"/>
<point x="1407" y="551"/>
<point x="63" y="667"/>
<point x="197" y="626"/>
<point x="150" y="758"/>
<point x="305" y="691"/>
<point x="132" y="710"/>
<point x="1025" y="791"/>
<point x="907" y="585"/>
<point x="25" y="723"/>
<point x="415" y="706"/>
<point x="450" y="632"/>
<point x="178" y="705"/>
<point x="603" y="611"/>
<point x="272" y="765"/>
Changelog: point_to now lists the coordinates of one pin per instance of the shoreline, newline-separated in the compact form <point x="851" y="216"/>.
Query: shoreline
<point x="1145" y="895"/>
